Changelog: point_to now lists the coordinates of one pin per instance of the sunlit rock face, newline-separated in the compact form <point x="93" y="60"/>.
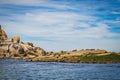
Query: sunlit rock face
<point x="3" y="35"/>
<point x="13" y="47"/>
<point x="16" y="39"/>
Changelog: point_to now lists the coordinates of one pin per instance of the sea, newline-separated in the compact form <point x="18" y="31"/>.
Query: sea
<point x="20" y="70"/>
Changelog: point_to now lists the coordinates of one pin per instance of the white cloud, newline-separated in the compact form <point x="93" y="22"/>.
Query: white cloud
<point x="21" y="2"/>
<point x="66" y="30"/>
<point x="116" y="22"/>
<point x="58" y="25"/>
<point x="43" y="3"/>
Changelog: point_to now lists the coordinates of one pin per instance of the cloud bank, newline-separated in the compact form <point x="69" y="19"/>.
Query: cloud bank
<point x="63" y="25"/>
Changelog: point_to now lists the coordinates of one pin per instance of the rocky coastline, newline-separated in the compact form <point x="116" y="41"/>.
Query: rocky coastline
<point x="14" y="48"/>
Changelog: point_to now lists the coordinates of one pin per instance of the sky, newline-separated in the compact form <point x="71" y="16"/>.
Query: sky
<point x="58" y="25"/>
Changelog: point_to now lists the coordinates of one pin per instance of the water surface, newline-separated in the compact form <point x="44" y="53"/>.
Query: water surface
<point x="20" y="70"/>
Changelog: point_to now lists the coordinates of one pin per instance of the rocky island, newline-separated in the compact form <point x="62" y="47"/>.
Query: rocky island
<point x="16" y="49"/>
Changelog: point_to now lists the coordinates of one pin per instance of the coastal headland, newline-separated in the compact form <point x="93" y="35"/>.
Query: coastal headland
<point x="16" y="49"/>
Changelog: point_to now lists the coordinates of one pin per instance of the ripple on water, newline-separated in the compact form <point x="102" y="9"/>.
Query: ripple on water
<point x="20" y="70"/>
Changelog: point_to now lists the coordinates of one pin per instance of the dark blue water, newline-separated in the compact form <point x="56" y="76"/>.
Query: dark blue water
<point x="20" y="70"/>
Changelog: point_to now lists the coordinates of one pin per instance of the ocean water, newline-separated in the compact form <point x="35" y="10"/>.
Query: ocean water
<point x="20" y="70"/>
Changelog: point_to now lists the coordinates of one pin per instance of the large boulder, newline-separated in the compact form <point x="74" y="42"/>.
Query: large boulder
<point x="15" y="48"/>
<point x="29" y="44"/>
<point x="30" y="49"/>
<point x="2" y="51"/>
<point x="16" y="39"/>
<point x="26" y="46"/>
<point x="39" y="51"/>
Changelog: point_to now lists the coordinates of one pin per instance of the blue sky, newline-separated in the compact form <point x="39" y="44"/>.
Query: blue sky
<point x="63" y="24"/>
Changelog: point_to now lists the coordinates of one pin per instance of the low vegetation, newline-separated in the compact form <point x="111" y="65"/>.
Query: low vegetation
<point x="16" y="49"/>
<point x="111" y="58"/>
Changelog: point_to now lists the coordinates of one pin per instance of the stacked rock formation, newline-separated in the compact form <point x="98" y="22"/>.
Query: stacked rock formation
<point x="14" y="48"/>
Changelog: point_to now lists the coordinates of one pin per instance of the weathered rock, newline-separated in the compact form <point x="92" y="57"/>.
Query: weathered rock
<point x="27" y="46"/>
<point x="1" y="50"/>
<point x="30" y="44"/>
<point x="16" y="39"/>
<point x="15" y="48"/>
<point x="3" y="35"/>
<point x="3" y="53"/>
<point x="39" y="51"/>
<point x="4" y="47"/>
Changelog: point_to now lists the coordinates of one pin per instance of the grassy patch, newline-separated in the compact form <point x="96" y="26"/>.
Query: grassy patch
<point x="101" y="59"/>
<point x="112" y="58"/>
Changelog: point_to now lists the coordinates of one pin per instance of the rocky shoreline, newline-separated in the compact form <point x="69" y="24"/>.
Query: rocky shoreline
<point x="15" y="49"/>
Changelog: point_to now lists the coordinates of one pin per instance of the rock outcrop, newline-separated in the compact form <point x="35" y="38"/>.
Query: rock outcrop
<point x="3" y="35"/>
<point x="14" y="48"/>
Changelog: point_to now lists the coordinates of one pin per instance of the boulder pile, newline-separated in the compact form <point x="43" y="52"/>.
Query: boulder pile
<point x="14" y="48"/>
